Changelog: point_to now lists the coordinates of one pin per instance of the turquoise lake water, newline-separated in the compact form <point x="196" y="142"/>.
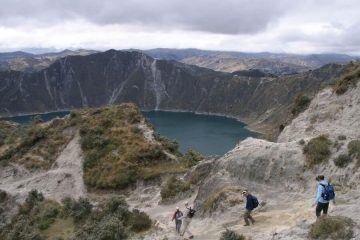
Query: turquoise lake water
<point x="203" y="133"/>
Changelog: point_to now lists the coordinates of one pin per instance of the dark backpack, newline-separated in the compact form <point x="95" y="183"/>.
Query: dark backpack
<point x="255" y="202"/>
<point x="329" y="192"/>
<point x="191" y="213"/>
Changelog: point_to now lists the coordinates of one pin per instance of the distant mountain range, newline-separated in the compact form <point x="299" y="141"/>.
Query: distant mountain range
<point x="113" y="77"/>
<point x="24" y="61"/>
<point x="225" y="61"/>
<point x="275" y="63"/>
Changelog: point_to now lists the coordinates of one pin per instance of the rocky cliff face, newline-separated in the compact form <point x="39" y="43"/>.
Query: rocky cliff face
<point x="116" y="76"/>
<point x="278" y="173"/>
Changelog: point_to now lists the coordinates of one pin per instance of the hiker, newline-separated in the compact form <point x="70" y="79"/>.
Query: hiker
<point x="177" y="216"/>
<point x="324" y="194"/>
<point x="251" y="203"/>
<point x="189" y="214"/>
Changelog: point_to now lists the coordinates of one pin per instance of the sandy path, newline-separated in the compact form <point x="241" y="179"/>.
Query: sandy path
<point x="274" y="218"/>
<point x="63" y="179"/>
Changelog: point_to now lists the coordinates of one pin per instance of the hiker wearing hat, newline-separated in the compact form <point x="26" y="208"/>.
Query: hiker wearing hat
<point x="177" y="216"/>
<point x="189" y="214"/>
<point x="251" y="203"/>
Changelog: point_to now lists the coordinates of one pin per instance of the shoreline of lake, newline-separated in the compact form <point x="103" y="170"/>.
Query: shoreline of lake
<point x="142" y="110"/>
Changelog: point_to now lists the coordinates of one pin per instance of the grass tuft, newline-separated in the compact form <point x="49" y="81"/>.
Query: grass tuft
<point x="231" y="235"/>
<point x="347" y="81"/>
<point x="301" y="103"/>
<point x="342" y="160"/>
<point x="354" y="150"/>
<point x="332" y="227"/>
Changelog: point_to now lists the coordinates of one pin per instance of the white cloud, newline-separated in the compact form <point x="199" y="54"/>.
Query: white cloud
<point x="258" y="25"/>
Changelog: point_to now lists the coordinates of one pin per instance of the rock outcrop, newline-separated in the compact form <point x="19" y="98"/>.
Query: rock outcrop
<point x="277" y="173"/>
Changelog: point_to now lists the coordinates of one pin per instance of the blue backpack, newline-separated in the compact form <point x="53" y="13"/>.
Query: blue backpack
<point x="329" y="192"/>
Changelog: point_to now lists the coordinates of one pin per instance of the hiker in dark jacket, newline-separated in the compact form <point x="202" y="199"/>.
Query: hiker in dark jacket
<point x="249" y="207"/>
<point x="177" y="216"/>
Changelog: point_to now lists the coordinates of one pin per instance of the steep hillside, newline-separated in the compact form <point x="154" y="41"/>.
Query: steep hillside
<point x="282" y="175"/>
<point x="113" y="77"/>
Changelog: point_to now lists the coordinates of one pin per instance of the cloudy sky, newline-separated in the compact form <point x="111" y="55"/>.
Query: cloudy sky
<point x="306" y="26"/>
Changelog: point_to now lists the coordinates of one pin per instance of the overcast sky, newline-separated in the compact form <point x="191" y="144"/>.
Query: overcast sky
<point x="305" y="26"/>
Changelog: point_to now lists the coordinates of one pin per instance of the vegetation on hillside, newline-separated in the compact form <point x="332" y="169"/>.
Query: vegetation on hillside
<point x="342" y="160"/>
<point x="222" y="199"/>
<point x="39" y="218"/>
<point x="6" y="132"/>
<point x="317" y="150"/>
<point x="231" y="235"/>
<point x="301" y="103"/>
<point x="116" y="152"/>
<point x="35" y="145"/>
<point x="191" y="158"/>
<point x="354" y="150"/>
<point x="170" y="145"/>
<point x="332" y="227"/>
<point x="173" y="187"/>
<point x="348" y="80"/>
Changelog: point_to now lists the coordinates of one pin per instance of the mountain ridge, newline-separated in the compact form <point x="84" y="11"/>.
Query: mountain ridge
<point x="153" y="84"/>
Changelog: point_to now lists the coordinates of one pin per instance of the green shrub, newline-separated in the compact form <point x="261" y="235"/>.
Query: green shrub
<point x="332" y="227"/>
<point x="78" y="210"/>
<point x="117" y="206"/>
<point x="93" y="138"/>
<point x="139" y="221"/>
<point x="171" y="145"/>
<point x="173" y="187"/>
<point x="45" y="223"/>
<point x="317" y="150"/>
<point x="34" y="197"/>
<point x="354" y="150"/>
<point x="342" y="160"/>
<point x="231" y="235"/>
<point x="101" y="228"/>
<point x="301" y="103"/>
<point x="341" y="137"/>
<point x="191" y="158"/>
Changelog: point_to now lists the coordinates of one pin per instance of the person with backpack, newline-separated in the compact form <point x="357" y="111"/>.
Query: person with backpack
<point x="177" y="216"/>
<point x="251" y="204"/>
<point x="189" y="214"/>
<point x="324" y="194"/>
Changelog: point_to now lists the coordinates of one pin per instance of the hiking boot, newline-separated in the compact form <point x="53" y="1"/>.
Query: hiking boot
<point x="246" y="225"/>
<point x="191" y="237"/>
